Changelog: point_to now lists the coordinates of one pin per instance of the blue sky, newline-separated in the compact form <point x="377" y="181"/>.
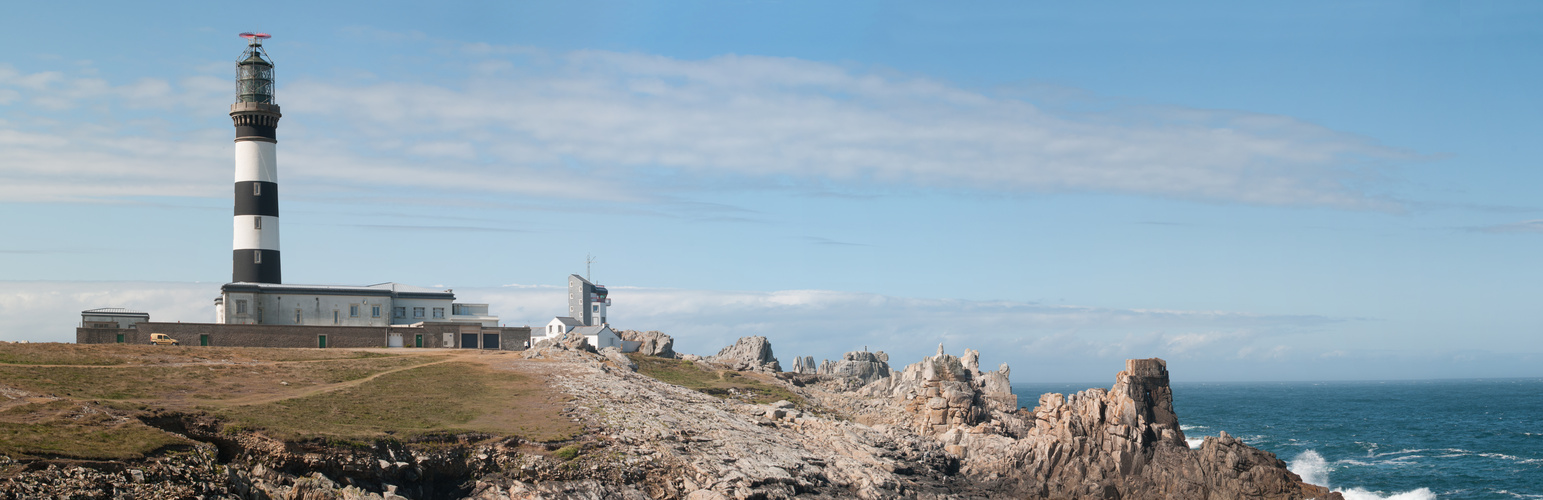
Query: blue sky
<point x="1303" y="190"/>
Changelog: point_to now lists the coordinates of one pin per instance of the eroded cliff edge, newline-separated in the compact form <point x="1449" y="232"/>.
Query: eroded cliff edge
<point x="939" y="428"/>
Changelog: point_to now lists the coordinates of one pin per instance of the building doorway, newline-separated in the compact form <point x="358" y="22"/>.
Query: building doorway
<point x="321" y="341"/>
<point x="418" y="340"/>
<point x="203" y="339"/>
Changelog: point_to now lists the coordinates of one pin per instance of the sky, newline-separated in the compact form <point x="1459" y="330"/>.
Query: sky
<point x="1322" y="190"/>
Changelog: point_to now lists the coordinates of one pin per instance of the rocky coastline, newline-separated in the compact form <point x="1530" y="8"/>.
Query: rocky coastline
<point x="937" y="428"/>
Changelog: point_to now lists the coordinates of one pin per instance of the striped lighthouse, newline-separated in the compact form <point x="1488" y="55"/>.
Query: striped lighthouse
<point x="255" y="255"/>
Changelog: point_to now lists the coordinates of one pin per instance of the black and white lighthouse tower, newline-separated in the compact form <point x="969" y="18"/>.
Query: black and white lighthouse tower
<point x="255" y="255"/>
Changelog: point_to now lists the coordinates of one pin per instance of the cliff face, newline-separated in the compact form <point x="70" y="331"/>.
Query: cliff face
<point x="940" y="428"/>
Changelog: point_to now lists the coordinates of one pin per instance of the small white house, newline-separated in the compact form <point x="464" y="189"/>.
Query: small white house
<point x="600" y="337"/>
<point x="561" y="325"/>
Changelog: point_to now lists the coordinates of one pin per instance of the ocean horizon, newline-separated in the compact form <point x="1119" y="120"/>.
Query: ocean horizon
<point x="1374" y="440"/>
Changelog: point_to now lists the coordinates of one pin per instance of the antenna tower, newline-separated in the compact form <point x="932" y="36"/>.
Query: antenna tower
<point x="588" y="260"/>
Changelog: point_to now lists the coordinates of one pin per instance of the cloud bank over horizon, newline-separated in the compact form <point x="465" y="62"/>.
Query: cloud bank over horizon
<point x="512" y="120"/>
<point x="1043" y="343"/>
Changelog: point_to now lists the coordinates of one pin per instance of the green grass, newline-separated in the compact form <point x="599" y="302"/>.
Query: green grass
<point x="567" y="452"/>
<point x="713" y="382"/>
<point x="65" y="429"/>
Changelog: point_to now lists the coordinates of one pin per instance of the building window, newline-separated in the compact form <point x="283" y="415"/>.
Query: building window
<point x="439" y="313"/>
<point x="595" y="308"/>
<point x="257" y="223"/>
<point x="353" y="311"/>
<point x="374" y="311"/>
<point x="417" y="312"/>
<point x="257" y="189"/>
<point x="257" y="256"/>
<point x="335" y="317"/>
<point x="297" y="316"/>
<point x="399" y="312"/>
<point x="241" y="307"/>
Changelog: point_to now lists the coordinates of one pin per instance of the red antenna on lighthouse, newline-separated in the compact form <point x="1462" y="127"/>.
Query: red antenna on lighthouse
<point x="250" y="36"/>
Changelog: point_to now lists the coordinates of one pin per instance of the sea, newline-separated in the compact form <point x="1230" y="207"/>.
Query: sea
<point x="1403" y="440"/>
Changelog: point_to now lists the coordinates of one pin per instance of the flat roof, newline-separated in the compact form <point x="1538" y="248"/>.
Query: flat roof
<point x="379" y="289"/>
<point x="115" y="311"/>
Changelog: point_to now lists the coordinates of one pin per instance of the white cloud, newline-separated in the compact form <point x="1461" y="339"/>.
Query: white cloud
<point x="546" y="119"/>
<point x="1526" y="226"/>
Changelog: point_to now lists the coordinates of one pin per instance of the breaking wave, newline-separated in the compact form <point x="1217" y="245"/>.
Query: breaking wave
<point x="1315" y="470"/>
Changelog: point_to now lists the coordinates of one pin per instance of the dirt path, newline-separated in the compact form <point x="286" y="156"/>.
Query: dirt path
<point x="264" y="398"/>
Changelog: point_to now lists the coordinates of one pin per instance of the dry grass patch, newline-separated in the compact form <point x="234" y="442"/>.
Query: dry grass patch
<point x="726" y="384"/>
<point x="174" y="386"/>
<point x="136" y="354"/>
<point x="443" y="398"/>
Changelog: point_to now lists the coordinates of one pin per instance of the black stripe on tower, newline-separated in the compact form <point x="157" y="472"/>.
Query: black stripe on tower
<point x="257" y="198"/>
<point x="255" y="266"/>
<point x="256" y="126"/>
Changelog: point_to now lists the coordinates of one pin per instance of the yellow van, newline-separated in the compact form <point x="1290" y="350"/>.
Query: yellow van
<point x="163" y="339"/>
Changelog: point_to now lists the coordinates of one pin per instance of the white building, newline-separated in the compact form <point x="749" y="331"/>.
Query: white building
<point x="385" y="304"/>
<point x="600" y="337"/>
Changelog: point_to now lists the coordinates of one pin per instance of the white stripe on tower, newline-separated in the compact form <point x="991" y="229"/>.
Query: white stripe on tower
<point x="257" y="232"/>
<point x="256" y="161"/>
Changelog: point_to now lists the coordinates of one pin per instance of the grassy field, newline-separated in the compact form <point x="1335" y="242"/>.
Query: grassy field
<point x="78" y="401"/>
<point x="725" y="384"/>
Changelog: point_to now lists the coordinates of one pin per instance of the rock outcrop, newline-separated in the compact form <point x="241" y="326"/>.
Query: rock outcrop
<point x="857" y="368"/>
<point x="805" y="365"/>
<point x="653" y="342"/>
<point x="748" y="354"/>
<point x="940" y="428"/>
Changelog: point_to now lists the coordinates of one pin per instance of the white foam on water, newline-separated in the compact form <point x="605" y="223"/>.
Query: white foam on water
<point x="1315" y="470"/>
<point x="1194" y="443"/>
<point x="1312" y="467"/>
<point x="1360" y="494"/>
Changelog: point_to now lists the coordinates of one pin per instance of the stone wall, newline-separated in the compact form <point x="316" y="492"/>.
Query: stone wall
<point x="228" y="335"/>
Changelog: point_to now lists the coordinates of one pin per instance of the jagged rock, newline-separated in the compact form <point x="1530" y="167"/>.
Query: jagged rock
<point x="748" y="354"/>
<point x="805" y="365"/>
<point x="653" y="342"/>
<point x="857" y="368"/>
<point x="1126" y="443"/>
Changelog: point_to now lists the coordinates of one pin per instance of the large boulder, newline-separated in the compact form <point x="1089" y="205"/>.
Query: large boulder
<point x="748" y="354"/>
<point x="559" y="346"/>
<point x="653" y="342"/>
